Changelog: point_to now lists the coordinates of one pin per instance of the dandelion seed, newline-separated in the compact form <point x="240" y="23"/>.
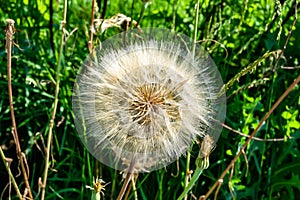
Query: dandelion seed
<point x="143" y="97"/>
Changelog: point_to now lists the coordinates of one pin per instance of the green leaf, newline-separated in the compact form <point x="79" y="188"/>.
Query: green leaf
<point x="286" y="115"/>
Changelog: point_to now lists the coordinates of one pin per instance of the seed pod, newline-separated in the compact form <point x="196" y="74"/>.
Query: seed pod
<point x="144" y="96"/>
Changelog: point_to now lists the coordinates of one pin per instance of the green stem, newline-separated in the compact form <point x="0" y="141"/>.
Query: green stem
<point x="187" y="173"/>
<point x="10" y="174"/>
<point x="196" y="26"/>
<point x="186" y="181"/>
<point x="195" y="177"/>
<point x="142" y="13"/>
<point x="174" y="9"/>
<point x="51" y="124"/>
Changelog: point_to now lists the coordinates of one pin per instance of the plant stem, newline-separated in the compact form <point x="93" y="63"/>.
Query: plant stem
<point x="51" y="124"/>
<point x="196" y="26"/>
<point x="187" y="173"/>
<point x="127" y="179"/>
<point x="92" y="28"/>
<point x="22" y="158"/>
<point x="194" y="178"/>
<point x="174" y="9"/>
<point x="142" y="13"/>
<point x="10" y="174"/>
<point x="125" y="185"/>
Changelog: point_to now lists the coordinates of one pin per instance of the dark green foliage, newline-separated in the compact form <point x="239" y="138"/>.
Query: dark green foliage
<point x="241" y="36"/>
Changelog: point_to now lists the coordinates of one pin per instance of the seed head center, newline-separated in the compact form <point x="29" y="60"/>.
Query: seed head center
<point x="151" y="100"/>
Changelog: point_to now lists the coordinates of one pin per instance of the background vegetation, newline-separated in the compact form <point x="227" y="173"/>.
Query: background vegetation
<point x="250" y="36"/>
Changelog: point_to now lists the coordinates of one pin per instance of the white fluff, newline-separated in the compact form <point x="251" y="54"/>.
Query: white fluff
<point x="145" y="102"/>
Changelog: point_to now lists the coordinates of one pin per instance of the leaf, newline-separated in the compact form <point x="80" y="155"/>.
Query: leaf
<point x="286" y="115"/>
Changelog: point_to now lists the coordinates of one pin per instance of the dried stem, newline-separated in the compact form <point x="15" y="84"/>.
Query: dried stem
<point x="6" y="163"/>
<point x="125" y="185"/>
<point x="51" y="124"/>
<point x="92" y="28"/>
<point x="252" y="135"/>
<point x="9" y="42"/>
<point x="256" y="138"/>
<point x="127" y="179"/>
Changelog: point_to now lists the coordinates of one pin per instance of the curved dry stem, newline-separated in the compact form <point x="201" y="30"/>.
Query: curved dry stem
<point x="6" y="163"/>
<point x="252" y="135"/>
<point x="92" y="28"/>
<point x="256" y="138"/>
<point x="22" y="159"/>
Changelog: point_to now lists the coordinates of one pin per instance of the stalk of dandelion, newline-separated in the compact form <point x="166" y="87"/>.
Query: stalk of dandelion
<point x="55" y="103"/>
<point x="188" y="171"/>
<point x="20" y="154"/>
<point x="202" y="162"/>
<point x="129" y="175"/>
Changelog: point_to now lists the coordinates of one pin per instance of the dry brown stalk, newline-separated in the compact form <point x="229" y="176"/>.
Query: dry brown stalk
<point x="92" y="28"/>
<point x="22" y="159"/>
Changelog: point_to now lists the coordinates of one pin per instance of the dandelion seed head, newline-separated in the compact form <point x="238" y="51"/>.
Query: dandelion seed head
<point x="144" y="97"/>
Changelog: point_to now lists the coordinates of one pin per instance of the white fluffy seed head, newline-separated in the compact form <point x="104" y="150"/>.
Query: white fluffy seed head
<point x="143" y="97"/>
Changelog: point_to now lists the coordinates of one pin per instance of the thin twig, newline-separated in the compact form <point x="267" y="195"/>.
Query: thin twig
<point x="252" y="134"/>
<point x="125" y="185"/>
<point x="55" y="103"/>
<point x="286" y="67"/>
<point x="92" y="28"/>
<point x="127" y="179"/>
<point x="6" y="163"/>
<point x="220" y="181"/>
<point x="255" y="138"/>
<point x="9" y="42"/>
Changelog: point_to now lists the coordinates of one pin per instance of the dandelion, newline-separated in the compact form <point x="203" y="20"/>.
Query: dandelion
<point x="98" y="187"/>
<point x="143" y="97"/>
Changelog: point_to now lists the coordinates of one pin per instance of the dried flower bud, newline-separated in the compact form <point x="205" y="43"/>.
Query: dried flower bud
<point x="144" y="96"/>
